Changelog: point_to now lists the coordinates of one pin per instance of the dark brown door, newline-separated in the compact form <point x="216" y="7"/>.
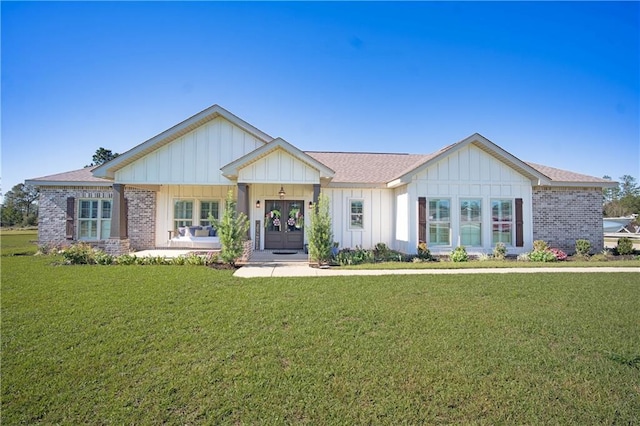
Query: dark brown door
<point x="284" y="224"/>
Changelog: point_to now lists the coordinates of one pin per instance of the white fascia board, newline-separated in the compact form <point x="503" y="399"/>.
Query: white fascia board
<point x="65" y="183"/>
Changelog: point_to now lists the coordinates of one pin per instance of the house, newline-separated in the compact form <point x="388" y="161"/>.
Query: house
<point x="470" y="193"/>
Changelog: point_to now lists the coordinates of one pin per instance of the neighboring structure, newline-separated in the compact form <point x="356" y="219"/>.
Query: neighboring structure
<point x="471" y="193"/>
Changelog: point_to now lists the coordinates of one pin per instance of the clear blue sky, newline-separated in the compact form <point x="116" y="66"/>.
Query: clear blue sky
<point x="552" y="83"/>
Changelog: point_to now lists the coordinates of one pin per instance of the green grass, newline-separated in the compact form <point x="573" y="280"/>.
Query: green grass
<point x="192" y="345"/>
<point x="18" y="242"/>
<point x="474" y="264"/>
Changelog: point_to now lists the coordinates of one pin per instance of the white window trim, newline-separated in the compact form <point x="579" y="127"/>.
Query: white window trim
<point x="480" y="222"/>
<point x="99" y="220"/>
<point x="430" y="221"/>
<point x="349" y="222"/>
<point x="197" y="206"/>
<point x="512" y="222"/>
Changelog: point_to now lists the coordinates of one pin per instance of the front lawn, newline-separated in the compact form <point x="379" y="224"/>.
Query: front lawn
<point x="193" y="345"/>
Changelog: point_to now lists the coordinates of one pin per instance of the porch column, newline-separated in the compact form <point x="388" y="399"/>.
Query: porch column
<point x="316" y="193"/>
<point x="118" y="213"/>
<point x="242" y="206"/>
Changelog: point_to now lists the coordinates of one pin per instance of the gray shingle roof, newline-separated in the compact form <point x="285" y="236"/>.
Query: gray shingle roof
<point x="84" y="175"/>
<point x="559" y="175"/>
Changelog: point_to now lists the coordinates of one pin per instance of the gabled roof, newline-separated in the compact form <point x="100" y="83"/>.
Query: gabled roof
<point x="108" y="170"/>
<point x="80" y="177"/>
<point x="567" y="178"/>
<point x="367" y="168"/>
<point x="231" y="170"/>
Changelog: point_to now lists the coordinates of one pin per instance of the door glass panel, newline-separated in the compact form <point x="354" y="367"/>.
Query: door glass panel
<point x="273" y="216"/>
<point x="295" y="218"/>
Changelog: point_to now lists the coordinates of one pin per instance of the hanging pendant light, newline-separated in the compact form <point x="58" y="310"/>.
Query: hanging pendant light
<point x="281" y="193"/>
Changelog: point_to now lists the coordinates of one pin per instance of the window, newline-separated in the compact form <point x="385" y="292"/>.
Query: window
<point x="356" y="210"/>
<point x="183" y="213"/>
<point x="94" y="219"/>
<point x="208" y="208"/>
<point x="502" y="221"/>
<point x="471" y="222"/>
<point x="439" y="222"/>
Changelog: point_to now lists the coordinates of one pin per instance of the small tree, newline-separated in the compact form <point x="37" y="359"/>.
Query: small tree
<point x="102" y="156"/>
<point x="320" y="234"/>
<point x="232" y="229"/>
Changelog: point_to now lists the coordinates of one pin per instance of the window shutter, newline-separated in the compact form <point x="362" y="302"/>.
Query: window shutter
<point x="71" y="204"/>
<point x="519" y="224"/>
<point x="422" y="219"/>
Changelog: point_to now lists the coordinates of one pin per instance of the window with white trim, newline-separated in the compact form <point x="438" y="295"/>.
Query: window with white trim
<point x="502" y="221"/>
<point x="471" y="222"/>
<point x="356" y="211"/>
<point x="94" y="219"/>
<point x="209" y="208"/>
<point x="439" y="222"/>
<point x="182" y="213"/>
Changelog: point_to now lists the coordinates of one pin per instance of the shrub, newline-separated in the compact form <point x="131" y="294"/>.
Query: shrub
<point x="179" y="260"/>
<point x="540" y="245"/>
<point x="102" y="258"/>
<point x="232" y="229"/>
<point x="459" y="254"/>
<point x="423" y="251"/>
<point x="583" y="247"/>
<point x="320" y="233"/>
<point x="79" y="254"/>
<point x="483" y="257"/>
<point x="625" y="246"/>
<point x="524" y="257"/>
<point x="559" y="254"/>
<point x="500" y="251"/>
<point x="355" y="256"/>
<point x="600" y="257"/>
<point x="126" y="259"/>
<point x="542" y="256"/>
<point x="194" y="259"/>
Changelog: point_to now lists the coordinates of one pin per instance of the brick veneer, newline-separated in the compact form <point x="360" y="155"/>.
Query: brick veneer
<point x="53" y="213"/>
<point x="562" y="215"/>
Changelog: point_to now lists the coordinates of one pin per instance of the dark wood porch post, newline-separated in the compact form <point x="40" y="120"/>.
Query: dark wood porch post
<point x="118" y="213"/>
<point x="316" y="192"/>
<point x="242" y="205"/>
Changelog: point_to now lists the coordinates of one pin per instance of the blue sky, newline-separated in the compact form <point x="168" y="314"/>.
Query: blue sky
<point x="552" y="83"/>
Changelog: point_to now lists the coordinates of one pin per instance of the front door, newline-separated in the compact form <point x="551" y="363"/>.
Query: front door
<point x="284" y="224"/>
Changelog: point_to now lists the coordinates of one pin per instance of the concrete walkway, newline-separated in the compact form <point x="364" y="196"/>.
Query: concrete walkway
<point x="298" y="269"/>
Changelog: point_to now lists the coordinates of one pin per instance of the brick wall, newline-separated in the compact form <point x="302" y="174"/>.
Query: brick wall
<point x="52" y="220"/>
<point x="141" y="220"/>
<point x="563" y="215"/>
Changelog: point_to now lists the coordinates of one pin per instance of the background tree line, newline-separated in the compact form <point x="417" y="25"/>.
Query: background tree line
<point x="623" y="200"/>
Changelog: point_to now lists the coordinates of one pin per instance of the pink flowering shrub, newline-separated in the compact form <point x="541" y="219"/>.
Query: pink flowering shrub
<point x="559" y="254"/>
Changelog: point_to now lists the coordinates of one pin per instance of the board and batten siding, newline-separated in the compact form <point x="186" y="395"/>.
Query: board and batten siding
<point x="281" y="167"/>
<point x="193" y="159"/>
<point x="168" y="193"/>
<point x="378" y="216"/>
<point x="470" y="173"/>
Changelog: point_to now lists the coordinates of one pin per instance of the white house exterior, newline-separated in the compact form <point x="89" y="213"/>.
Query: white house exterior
<point x="471" y="193"/>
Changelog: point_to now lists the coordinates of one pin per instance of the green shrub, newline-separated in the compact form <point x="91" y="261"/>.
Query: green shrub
<point x="542" y="256"/>
<point x="320" y="233"/>
<point x="232" y="229"/>
<point x="583" y="247"/>
<point x="500" y="251"/>
<point x="459" y="254"/>
<point x="194" y="260"/>
<point x="600" y="257"/>
<point x="103" y="258"/>
<point x="625" y="246"/>
<point x="79" y="254"/>
<point x="355" y="256"/>
<point x="423" y="251"/>
<point x="126" y="259"/>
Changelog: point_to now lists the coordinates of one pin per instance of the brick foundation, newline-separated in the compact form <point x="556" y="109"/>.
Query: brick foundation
<point x="563" y="215"/>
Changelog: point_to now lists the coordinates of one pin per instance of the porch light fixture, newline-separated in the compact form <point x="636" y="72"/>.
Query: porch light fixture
<point x="281" y="193"/>
<point x="310" y="205"/>
<point x="258" y="204"/>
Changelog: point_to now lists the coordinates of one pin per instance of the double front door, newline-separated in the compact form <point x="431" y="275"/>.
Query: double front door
<point x="284" y="224"/>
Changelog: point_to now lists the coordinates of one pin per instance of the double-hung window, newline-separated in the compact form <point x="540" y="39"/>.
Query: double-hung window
<point x="94" y="219"/>
<point x="471" y="222"/>
<point x="502" y="221"/>
<point x="439" y="221"/>
<point x="209" y="208"/>
<point x="356" y="211"/>
<point x="182" y="213"/>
